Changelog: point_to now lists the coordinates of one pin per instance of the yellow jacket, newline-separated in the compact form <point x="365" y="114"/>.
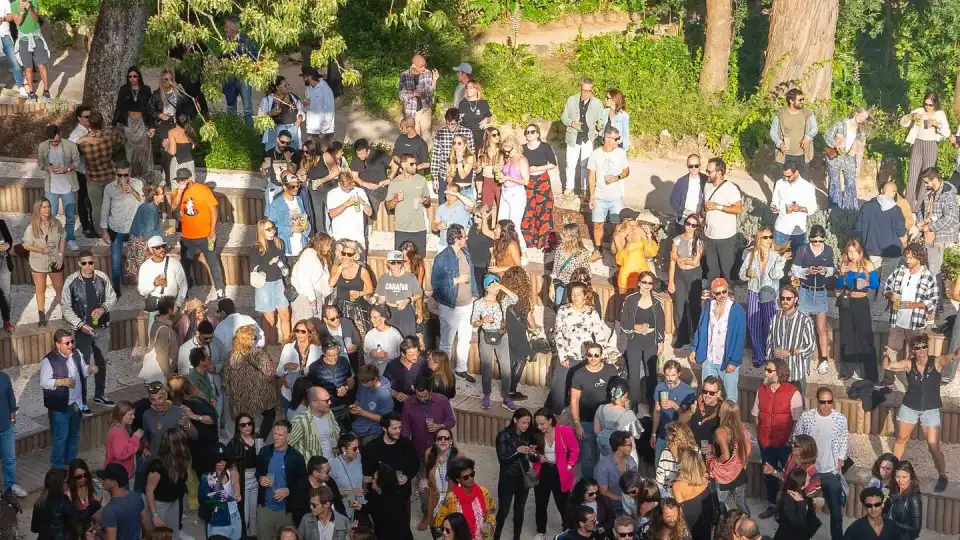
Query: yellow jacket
<point x="451" y="505"/>
<point x="632" y="260"/>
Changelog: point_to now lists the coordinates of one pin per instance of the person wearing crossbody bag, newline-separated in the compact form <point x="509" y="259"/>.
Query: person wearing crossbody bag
<point x="488" y="317"/>
<point x="722" y="202"/>
<point x="160" y="276"/>
<point x="515" y="445"/>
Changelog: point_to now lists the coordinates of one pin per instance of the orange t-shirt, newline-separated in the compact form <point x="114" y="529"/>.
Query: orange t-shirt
<point x="195" y="208"/>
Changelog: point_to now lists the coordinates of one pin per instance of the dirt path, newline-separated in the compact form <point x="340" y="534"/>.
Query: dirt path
<point x="557" y="32"/>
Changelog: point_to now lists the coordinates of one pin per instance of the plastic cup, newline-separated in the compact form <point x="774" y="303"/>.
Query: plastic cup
<point x="664" y="396"/>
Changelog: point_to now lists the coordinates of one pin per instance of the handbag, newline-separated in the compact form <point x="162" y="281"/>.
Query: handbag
<point x="152" y="303"/>
<point x="494" y="338"/>
<point x="830" y="152"/>
<point x="150" y="371"/>
<point x="289" y="291"/>
<point x="530" y="478"/>
<point x="257" y="279"/>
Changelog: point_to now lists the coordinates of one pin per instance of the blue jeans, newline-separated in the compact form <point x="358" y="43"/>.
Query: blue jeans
<point x="15" y="68"/>
<point x="730" y="380"/>
<point x="588" y="450"/>
<point x="116" y="258"/>
<point x="796" y="240"/>
<point x="777" y="458"/>
<point x="233" y="531"/>
<point x="835" y="499"/>
<point x="66" y="436"/>
<point x="69" y="209"/>
<point x="8" y="453"/>
<point x="230" y="91"/>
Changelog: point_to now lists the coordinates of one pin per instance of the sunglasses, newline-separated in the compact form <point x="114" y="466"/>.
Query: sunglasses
<point x="301" y="330"/>
<point x="693" y="166"/>
<point x="691" y="223"/>
<point x="86" y="263"/>
<point x="632" y="492"/>
<point x="281" y="141"/>
<point x="646" y="283"/>
<point x="711" y="393"/>
<point x="770" y="370"/>
<point x="468" y="475"/>
<point x="123" y="175"/>
<point x="812" y="241"/>
<point x="825" y="401"/>
<point x="411" y="164"/>
<point x="614" y="138"/>
<point x="246" y="424"/>
<point x="719" y="293"/>
<point x="81" y="476"/>
<point x="446" y="530"/>
<point x="334" y="318"/>
<point x="628" y="534"/>
<point x="874" y="505"/>
<point x="67" y="342"/>
<point x="347" y="254"/>
<point x="458" y="143"/>
<point x="495" y="135"/>
<point x="269" y="229"/>
<point x="766" y="237"/>
<point x="444" y="438"/>
<point x="787" y="298"/>
<point x="593" y="355"/>
<point x="531" y="132"/>
<point x="920" y="347"/>
<point x="590" y="493"/>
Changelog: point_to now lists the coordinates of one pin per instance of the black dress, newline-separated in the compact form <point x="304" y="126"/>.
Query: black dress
<point x="641" y="351"/>
<point x="698" y="513"/>
<point x="388" y="513"/>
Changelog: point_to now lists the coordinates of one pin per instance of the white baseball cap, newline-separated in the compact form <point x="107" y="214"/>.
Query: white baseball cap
<point x="156" y="241"/>
<point x="464" y="67"/>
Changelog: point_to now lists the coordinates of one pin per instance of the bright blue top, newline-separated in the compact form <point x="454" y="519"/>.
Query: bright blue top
<point x="849" y="279"/>
<point x="277" y="469"/>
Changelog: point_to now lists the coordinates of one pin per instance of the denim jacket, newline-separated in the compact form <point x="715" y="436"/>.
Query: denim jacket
<point x="446" y="268"/>
<point x="279" y="213"/>
<point x="147" y="221"/>
<point x="765" y="281"/>
<point x="620" y="121"/>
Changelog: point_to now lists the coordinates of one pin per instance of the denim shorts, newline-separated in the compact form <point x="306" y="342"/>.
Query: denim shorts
<point x="270" y="297"/>
<point x="604" y="210"/>
<point x="813" y="301"/>
<point x="928" y="418"/>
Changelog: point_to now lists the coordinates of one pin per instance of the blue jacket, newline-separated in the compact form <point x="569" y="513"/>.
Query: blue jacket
<point x="221" y="512"/>
<point x="296" y="471"/>
<point x="446" y="268"/>
<point x="679" y="194"/>
<point x="279" y="214"/>
<point x="736" y="332"/>
<point x="8" y="401"/>
<point x="147" y="221"/>
<point x="880" y="230"/>
<point x="620" y="121"/>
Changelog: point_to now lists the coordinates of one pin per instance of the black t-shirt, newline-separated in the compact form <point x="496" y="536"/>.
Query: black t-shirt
<point x="472" y="112"/>
<point x="272" y="271"/>
<point x="288" y="113"/>
<point x="92" y="303"/>
<point x="374" y="169"/>
<point x="167" y="490"/>
<point x="415" y="146"/>
<point x="479" y="246"/>
<point x="279" y="162"/>
<point x="703" y="431"/>
<point x="593" y="389"/>
<point x="540" y="156"/>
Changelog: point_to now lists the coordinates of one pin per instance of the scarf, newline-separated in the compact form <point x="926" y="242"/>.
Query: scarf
<point x="885" y="203"/>
<point x="473" y="506"/>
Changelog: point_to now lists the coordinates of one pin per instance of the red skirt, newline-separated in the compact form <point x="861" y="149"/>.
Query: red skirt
<point x="537" y="224"/>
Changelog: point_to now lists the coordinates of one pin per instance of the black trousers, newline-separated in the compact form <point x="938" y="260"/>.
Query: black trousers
<point x="90" y="346"/>
<point x="721" y="255"/>
<point x="189" y="248"/>
<point x="419" y="239"/>
<point x="510" y="488"/>
<point x="549" y="483"/>
<point x="84" y="207"/>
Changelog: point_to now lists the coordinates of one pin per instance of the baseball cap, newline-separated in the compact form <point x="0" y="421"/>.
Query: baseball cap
<point x="464" y="67"/>
<point x="183" y="173"/>
<point x="156" y="241"/>
<point x="395" y="256"/>
<point x="115" y="472"/>
<point x="490" y="279"/>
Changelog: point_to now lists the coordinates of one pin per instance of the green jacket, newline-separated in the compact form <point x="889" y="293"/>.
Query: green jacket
<point x="71" y="158"/>
<point x="305" y="438"/>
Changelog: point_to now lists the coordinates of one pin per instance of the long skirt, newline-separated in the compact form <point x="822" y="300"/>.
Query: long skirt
<point x="537" y="224"/>
<point x="138" y="149"/>
<point x="135" y="253"/>
<point x="857" y="350"/>
<point x="759" y="315"/>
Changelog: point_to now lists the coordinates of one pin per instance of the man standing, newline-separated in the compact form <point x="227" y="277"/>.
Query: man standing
<point x="61" y="372"/>
<point x="31" y="47"/>
<point x="792" y="132"/>
<point x="687" y="195"/>
<point x="83" y="207"/>
<point x="672" y="399"/>
<point x="123" y="513"/>
<point x="464" y="75"/>
<point x="588" y="390"/>
<point x="8" y="436"/>
<point x="913" y="290"/>
<point x="374" y="399"/>
<point x="6" y="39"/>
<point x="344" y="331"/>
<point x="939" y="222"/>
<point x="369" y="167"/>
<point x="244" y="47"/>
<point x="702" y="416"/>
<point x="231" y="321"/>
<point x="198" y="227"/>
<point x="422" y="419"/>
<point x="873" y="525"/>
<point x="443" y="145"/>
<point x="201" y="375"/>
<point x="775" y="411"/>
<point x="792" y="339"/>
<point x="282" y="475"/>
<point x="883" y="232"/>
<point x="403" y="372"/>
<point x="120" y="202"/>
<point x="88" y="298"/>
<point x="407" y="196"/>
<point x="829" y="428"/>
<point x="96" y="147"/>
<point x="318" y="99"/>
<point x="393" y="450"/>
<point x="793" y="200"/>
<point x="215" y="350"/>
<point x="416" y="94"/>
<point x="722" y="204"/>
<point x="348" y="208"/>
<point x="581" y="116"/>
<point x="60" y="160"/>
<point x="607" y="167"/>
<point x="721" y="351"/>
<point x="161" y="416"/>
<point x="458" y="209"/>
<point x="455" y="290"/>
<point x="409" y="142"/>
<point x="159" y="276"/>
<point x="315" y="431"/>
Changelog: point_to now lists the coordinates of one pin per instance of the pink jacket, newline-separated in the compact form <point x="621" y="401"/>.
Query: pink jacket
<point x="121" y="448"/>
<point x="568" y="452"/>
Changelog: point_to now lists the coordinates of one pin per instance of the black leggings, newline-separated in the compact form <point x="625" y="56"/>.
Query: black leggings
<point x="549" y="483"/>
<point x="510" y="487"/>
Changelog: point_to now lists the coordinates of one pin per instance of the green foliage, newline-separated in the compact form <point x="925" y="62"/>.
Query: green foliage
<point x="523" y="89"/>
<point x="484" y="12"/>
<point x="951" y="263"/>
<point x="235" y="146"/>
<point x="70" y="11"/>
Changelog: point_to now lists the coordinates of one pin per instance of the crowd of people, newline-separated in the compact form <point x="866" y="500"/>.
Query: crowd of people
<point x="328" y="416"/>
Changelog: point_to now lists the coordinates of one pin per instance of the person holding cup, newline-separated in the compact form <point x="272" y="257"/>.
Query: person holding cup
<point x="673" y="398"/>
<point x="282" y="475"/>
<point x="289" y="213"/>
<point x="45" y="239"/>
<point x="928" y="127"/>
<point x="912" y="289"/>
<point x="455" y="290"/>
<point x="347" y="204"/>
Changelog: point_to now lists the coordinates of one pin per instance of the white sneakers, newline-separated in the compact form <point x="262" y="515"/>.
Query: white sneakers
<point x="72" y="245"/>
<point x="18" y="491"/>
<point x="23" y="94"/>
<point x="539" y="537"/>
<point x="822" y="367"/>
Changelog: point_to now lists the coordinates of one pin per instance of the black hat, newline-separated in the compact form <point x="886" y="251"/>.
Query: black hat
<point x="115" y="472"/>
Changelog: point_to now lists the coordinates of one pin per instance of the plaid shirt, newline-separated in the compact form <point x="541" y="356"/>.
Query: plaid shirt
<point x="98" y="158"/>
<point x="425" y="84"/>
<point x="942" y="213"/>
<point x="442" y="145"/>
<point x="927" y="293"/>
<point x="413" y="424"/>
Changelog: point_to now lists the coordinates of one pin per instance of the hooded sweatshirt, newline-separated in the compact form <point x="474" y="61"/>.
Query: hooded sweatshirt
<point x="881" y="224"/>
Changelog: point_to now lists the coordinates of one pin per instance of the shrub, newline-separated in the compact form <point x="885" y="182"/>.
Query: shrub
<point x="237" y="146"/>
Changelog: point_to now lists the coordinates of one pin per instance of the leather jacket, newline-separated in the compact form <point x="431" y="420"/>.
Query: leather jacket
<point x="907" y="512"/>
<point x="510" y="461"/>
<point x="50" y="521"/>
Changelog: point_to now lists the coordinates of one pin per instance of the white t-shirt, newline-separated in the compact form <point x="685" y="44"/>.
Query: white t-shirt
<point x="59" y="183"/>
<point x="691" y="203"/>
<point x="721" y="225"/>
<point x="823" y="434"/>
<point x="799" y="192"/>
<point x="608" y="164"/>
<point x="851" y="134"/>
<point x="388" y="340"/>
<point x="4" y="10"/>
<point x="349" y="224"/>
<point x="296" y="239"/>
<point x="320" y="112"/>
<point x="910" y="285"/>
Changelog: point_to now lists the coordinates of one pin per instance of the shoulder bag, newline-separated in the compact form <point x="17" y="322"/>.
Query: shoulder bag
<point x="494" y="338"/>
<point x="530" y="478"/>
<point x="151" y="303"/>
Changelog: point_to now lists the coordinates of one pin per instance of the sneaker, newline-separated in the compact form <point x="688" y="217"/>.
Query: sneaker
<point x="18" y="491"/>
<point x="943" y="382"/>
<point x="86" y="411"/>
<point x="486" y="402"/>
<point x="220" y="294"/>
<point x="517" y="396"/>
<point x="768" y="513"/>
<point x="72" y="245"/>
<point x="23" y="92"/>
<point x="466" y="376"/>
<point x="941" y="485"/>
<point x="90" y="233"/>
<point x="507" y="404"/>
<point x="540" y="536"/>
<point x="31" y="97"/>
<point x="105" y="401"/>
<point x="822" y="367"/>
<point x="46" y="96"/>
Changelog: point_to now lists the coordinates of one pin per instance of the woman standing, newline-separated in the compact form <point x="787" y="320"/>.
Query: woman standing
<point x="692" y="491"/>
<point x="460" y="167"/>
<point x="685" y="281"/>
<point x="882" y="473"/>
<point x="167" y="103"/>
<point x="454" y="527"/>
<point x="796" y="514"/>
<point x="311" y="276"/>
<point x="467" y="498"/>
<point x="489" y="318"/>
<point x="381" y="343"/>
<point x="480" y="241"/>
<point x="319" y="170"/>
<point x="347" y="471"/>
<point x="520" y="325"/>
<point x="616" y="415"/>
<point x="269" y="298"/>
<point x="248" y="376"/>
<point x="514" y="180"/>
<point x="507" y="249"/>
<point x="80" y="489"/>
<point x="488" y="166"/>
<point x="203" y="415"/>
<point x="569" y="256"/>
<point x="813" y="265"/>
<point x="762" y="269"/>
<point x="133" y="114"/>
<point x="558" y="454"/>
<point x="286" y="110"/>
<point x="928" y="127"/>
<point x="678" y="438"/>
<point x="577" y="323"/>
<point x="149" y="221"/>
<point x="731" y="450"/>
<point x="179" y="144"/>
<point x="413" y="263"/>
<point x="166" y="481"/>
<point x="435" y="465"/>
<point x="635" y="242"/>
<point x="441" y="373"/>
<point x="905" y="505"/>
<point x="615" y="115"/>
<point x="242" y="449"/>
<point x="846" y="141"/>
<point x="643" y="321"/>
<point x="219" y="491"/>
<point x="515" y="446"/>
<point x="475" y="112"/>
<point x="856" y="279"/>
<point x="400" y="291"/>
<point x="611" y="467"/>
<point x="353" y="282"/>
<point x="44" y="239"/>
<point x="301" y="350"/>
<point x="122" y="445"/>
<point x="537" y="224"/>
<point x="53" y="512"/>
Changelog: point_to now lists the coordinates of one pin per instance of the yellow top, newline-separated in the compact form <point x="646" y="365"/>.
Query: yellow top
<point x="632" y="260"/>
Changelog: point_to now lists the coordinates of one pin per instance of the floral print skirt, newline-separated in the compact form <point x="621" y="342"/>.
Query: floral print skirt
<point x="537" y="224"/>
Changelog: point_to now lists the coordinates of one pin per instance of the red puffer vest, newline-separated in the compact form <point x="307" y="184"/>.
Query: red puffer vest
<point x="775" y="423"/>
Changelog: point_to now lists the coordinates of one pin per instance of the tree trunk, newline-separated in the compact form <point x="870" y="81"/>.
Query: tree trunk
<point x="116" y="45"/>
<point x="800" y="46"/>
<point x="715" y="73"/>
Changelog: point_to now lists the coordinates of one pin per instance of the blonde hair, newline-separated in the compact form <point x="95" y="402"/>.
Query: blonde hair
<point x="262" y="236"/>
<point x="693" y="470"/>
<point x="35" y="220"/>
<point x="476" y="85"/>
<point x="180" y="388"/>
<point x="571" y="239"/>
<point x="453" y="151"/>
<point x="244" y="338"/>
<point x="163" y="87"/>
<point x="346" y="181"/>
<point x="763" y="254"/>
<point x="121" y="410"/>
<point x="322" y="244"/>
<point x="862" y="263"/>
<point x="508" y="141"/>
<point x="680" y="433"/>
<point x="730" y="419"/>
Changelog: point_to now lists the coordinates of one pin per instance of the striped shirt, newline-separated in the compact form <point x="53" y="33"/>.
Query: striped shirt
<point x="667" y="471"/>
<point x="793" y="332"/>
